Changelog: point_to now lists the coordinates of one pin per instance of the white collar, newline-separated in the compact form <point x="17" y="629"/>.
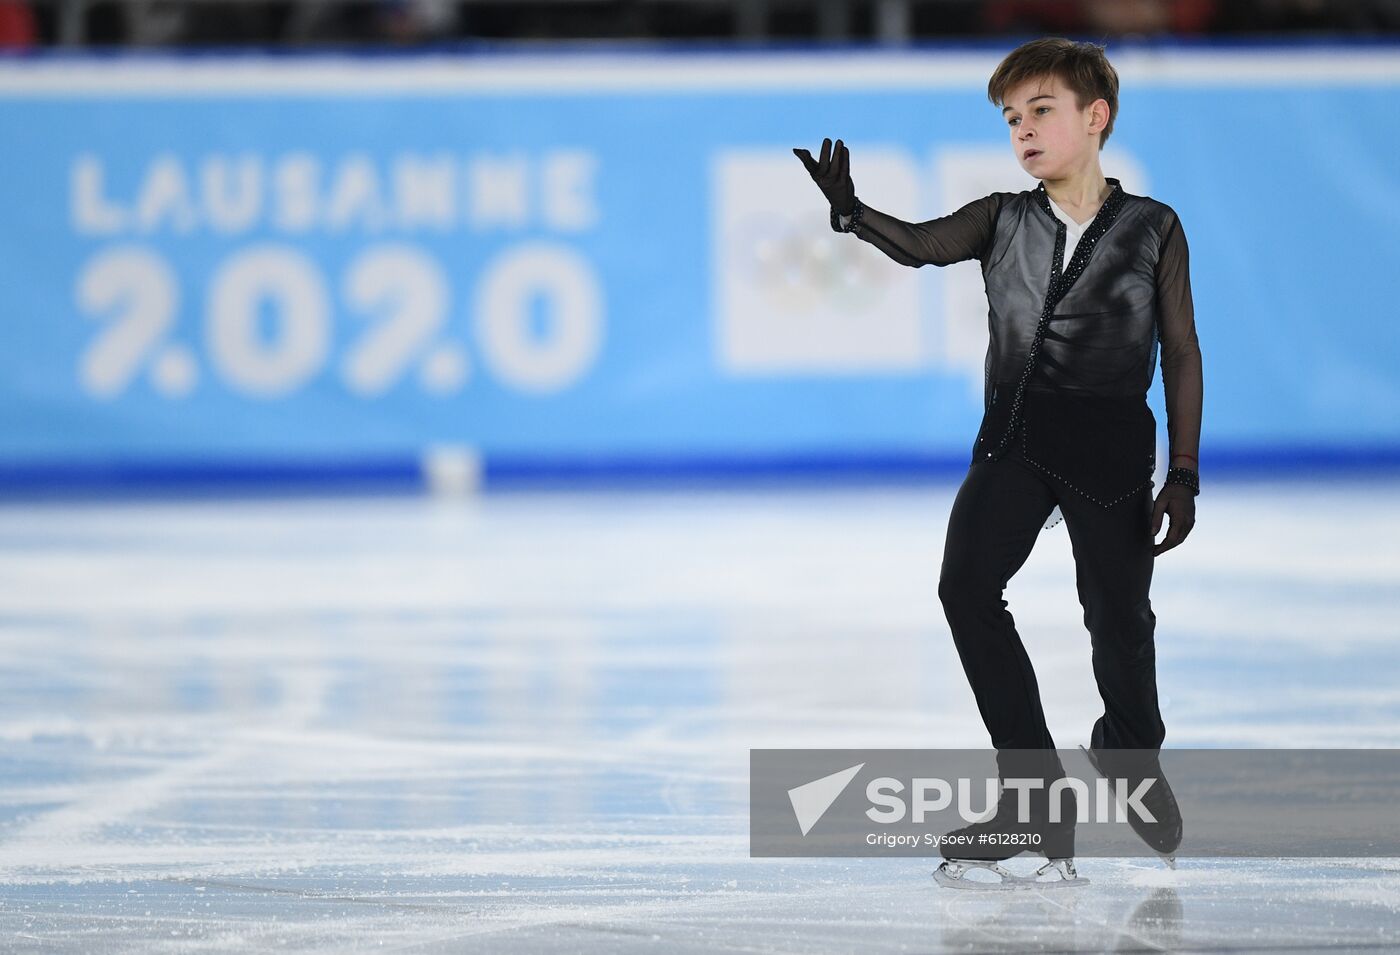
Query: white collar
<point x="1066" y="218"/>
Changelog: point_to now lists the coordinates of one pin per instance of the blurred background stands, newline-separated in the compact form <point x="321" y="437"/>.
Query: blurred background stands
<point x="27" y="24"/>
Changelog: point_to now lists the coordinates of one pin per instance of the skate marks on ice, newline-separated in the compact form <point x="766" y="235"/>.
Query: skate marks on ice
<point x="522" y="724"/>
<point x="1207" y="905"/>
<point x="692" y="907"/>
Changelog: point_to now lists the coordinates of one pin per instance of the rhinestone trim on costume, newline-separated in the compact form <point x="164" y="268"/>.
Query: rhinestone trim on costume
<point x="1185" y="476"/>
<point x="857" y="217"/>
<point x="1121" y="497"/>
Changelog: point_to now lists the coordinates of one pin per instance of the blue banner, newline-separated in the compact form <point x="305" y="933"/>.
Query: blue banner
<point x="621" y="260"/>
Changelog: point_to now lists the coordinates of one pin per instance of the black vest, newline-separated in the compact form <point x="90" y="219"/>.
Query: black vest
<point x="1072" y="355"/>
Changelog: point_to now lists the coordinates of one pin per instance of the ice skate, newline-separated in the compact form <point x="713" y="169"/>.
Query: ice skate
<point x="1162" y="836"/>
<point x="965" y="862"/>
<point x="1054" y="874"/>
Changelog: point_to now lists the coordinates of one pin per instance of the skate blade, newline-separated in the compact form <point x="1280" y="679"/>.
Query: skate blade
<point x="952" y="874"/>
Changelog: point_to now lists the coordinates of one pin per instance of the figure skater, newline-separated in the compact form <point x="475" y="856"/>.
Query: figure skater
<point x="1083" y="281"/>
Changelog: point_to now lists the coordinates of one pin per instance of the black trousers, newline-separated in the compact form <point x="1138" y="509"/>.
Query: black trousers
<point x="997" y="515"/>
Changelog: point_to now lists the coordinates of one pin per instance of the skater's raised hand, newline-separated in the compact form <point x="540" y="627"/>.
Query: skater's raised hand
<point x="1179" y="502"/>
<point x="832" y="173"/>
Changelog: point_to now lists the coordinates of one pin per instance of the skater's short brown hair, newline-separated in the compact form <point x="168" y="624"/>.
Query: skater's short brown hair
<point x="1082" y="66"/>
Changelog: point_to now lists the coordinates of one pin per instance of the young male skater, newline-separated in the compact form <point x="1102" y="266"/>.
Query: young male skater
<point x="1084" y="282"/>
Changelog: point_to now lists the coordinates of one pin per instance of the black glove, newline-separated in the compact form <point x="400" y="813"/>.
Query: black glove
<point x="833" y="174"/>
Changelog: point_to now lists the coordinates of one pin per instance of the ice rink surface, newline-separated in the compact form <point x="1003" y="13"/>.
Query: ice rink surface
<point x="522" y="722"/>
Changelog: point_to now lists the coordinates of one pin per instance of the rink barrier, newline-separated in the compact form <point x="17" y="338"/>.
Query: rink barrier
<point x="414" y="475"/>
<point x="162" y="332"/>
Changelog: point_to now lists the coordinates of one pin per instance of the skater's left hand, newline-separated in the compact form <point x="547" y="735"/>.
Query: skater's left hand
<point x="1178" y="501"/>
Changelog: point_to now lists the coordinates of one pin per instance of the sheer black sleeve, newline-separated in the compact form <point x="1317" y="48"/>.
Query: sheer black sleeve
<point x="961" y="235"/>
<point x="1181" y="353"/>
